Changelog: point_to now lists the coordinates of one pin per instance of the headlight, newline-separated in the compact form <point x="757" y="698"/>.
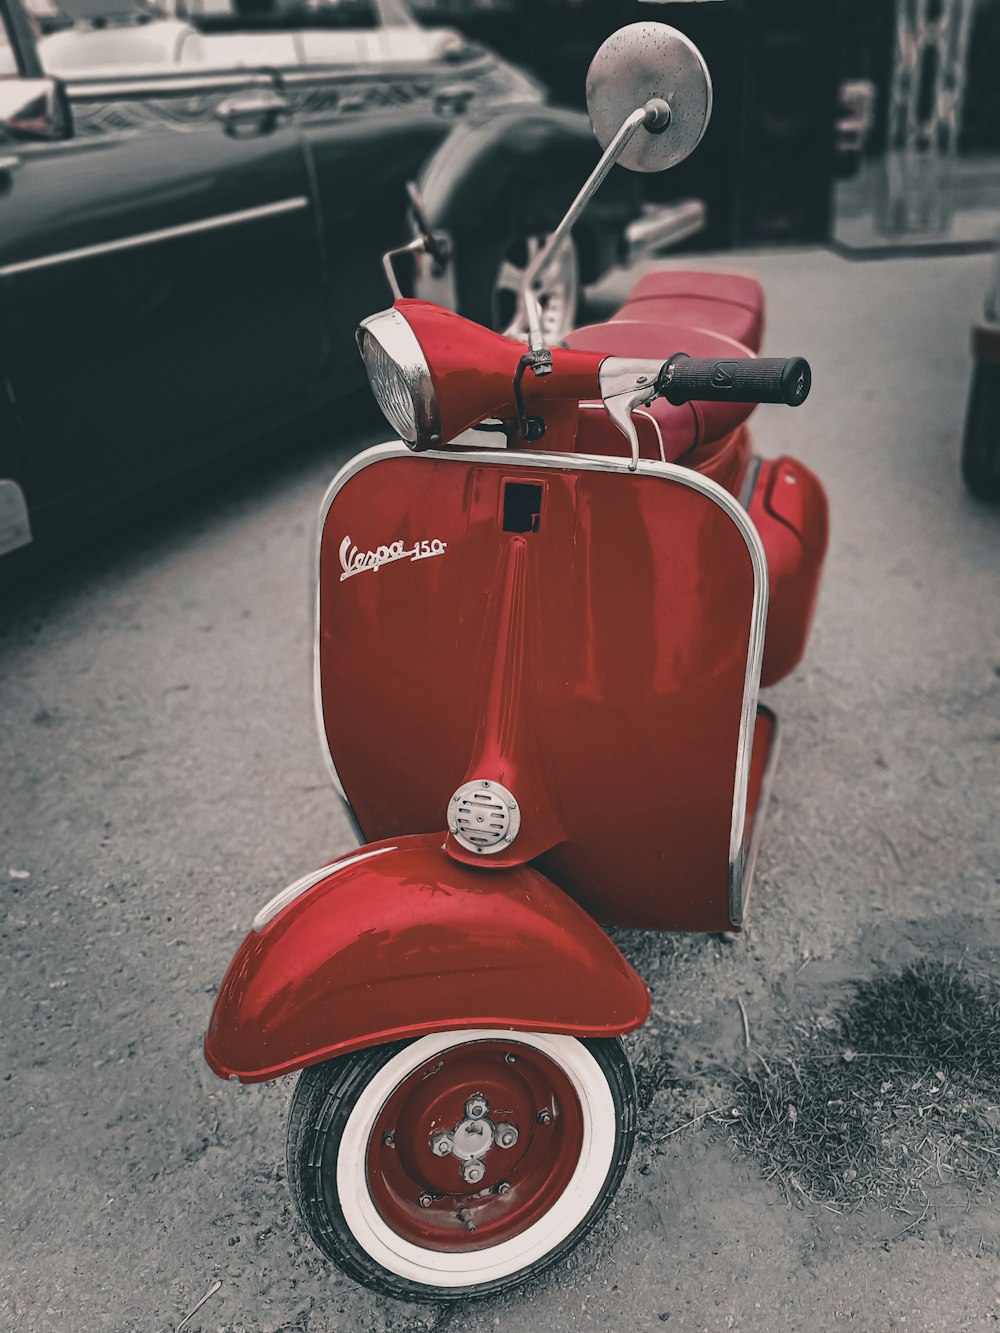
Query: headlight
<point x="400" y="378"/>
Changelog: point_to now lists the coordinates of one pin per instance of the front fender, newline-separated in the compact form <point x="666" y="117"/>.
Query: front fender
<point x="402" y="941"/>
<point x="516" y="172"/>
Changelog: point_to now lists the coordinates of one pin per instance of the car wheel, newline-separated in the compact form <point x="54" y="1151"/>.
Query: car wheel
<point x="487" y="285"/>
<point x="557" y="288"/>
<point x="981" y="446"/>
<point x="461" y="1163"/>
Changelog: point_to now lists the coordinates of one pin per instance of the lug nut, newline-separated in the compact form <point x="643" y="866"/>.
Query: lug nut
<point x="441" y="1145"/>
<point x="506" y="1136"/>
<point x="503" y="1187"/>
<point x="544" y="1116"/>
<point x="425" y="1201"/>
<point x="476" y="1107"/>
<point x="473" y="1172"/>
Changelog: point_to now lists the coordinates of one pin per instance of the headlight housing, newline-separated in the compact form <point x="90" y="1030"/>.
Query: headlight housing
<point x="400" y="378"/>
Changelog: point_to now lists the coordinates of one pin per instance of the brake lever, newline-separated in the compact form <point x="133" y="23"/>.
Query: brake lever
<point x="626" y="385"/>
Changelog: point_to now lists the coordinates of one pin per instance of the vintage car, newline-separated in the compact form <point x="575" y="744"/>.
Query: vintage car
<point x="192" y="218"/>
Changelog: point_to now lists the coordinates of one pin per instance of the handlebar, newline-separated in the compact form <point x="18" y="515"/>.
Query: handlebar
<point x="626" y="385"/>
<point x="684" y="379"/>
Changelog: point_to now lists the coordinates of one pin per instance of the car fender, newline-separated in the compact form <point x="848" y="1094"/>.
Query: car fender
<point x="516" y="171"/>
<point x="398" y="941"/>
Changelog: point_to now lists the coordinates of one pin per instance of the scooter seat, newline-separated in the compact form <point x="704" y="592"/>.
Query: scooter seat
<point x="728" y="303"/>
<point x="692" y="425"/>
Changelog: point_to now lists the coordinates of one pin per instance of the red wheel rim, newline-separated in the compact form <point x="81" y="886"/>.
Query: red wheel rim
<point x="424" y="1197"/>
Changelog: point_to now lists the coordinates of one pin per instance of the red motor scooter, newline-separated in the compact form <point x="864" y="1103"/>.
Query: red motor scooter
<point x="537" y="667"/>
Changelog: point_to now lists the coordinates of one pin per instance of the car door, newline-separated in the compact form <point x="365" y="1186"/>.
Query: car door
<point x="370" y="124"/>
<point x="160" y="277"/>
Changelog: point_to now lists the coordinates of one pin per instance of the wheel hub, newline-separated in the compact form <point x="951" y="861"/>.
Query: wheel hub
<point x="460" y="1156"/>
<point x="473" y="1138"/>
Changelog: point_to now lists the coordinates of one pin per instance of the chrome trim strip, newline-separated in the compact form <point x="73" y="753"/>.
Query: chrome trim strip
<point x="103" y="90"/>
<point x="588" y="463"/>
<point x="388" y="71"/>
<point x="324" y="744"/>
<point x="162" y="234"/>
<point x="750" y="481"/>
<point x="15" y="525"/>
<point x="739" y="888"/>
<point x="281" y="900"/>
<point x="210" y="80"/>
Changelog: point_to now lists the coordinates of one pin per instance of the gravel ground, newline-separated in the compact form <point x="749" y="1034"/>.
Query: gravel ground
<point x="162" y="779"/>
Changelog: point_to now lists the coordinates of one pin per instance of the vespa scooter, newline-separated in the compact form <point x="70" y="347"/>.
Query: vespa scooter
<point x="537" y="667"/>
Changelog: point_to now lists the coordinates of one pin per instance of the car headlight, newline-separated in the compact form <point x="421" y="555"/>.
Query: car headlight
<point x="400" y="378"/>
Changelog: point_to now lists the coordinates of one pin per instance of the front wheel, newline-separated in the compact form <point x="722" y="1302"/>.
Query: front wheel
<point x="459" y="1164"/>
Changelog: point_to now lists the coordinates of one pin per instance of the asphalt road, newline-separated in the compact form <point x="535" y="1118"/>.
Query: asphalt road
<point x="162" y="779"/>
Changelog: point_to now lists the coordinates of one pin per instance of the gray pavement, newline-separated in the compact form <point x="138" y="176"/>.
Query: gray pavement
<point x="162" y="778"/>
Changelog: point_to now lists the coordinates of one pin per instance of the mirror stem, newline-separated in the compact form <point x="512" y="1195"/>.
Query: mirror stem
<point x="609" y="157"/>
<point x="415" y="247"/>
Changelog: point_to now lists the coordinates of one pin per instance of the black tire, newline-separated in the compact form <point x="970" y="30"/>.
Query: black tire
<point x="324" y="1099"/>
<point x="981" y="445"/>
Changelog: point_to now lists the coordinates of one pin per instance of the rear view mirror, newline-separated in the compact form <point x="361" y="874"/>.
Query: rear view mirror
<point x="649" y="94"/>
<point x="639" y="64"/>
<point x="34" y="109"/>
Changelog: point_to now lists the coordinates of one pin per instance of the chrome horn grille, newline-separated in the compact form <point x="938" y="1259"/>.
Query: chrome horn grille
<point x="483" y="817"/>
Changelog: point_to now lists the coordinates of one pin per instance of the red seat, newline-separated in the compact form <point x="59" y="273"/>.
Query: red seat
<point x="728" y="303"/>
<point x="681" y="429"/>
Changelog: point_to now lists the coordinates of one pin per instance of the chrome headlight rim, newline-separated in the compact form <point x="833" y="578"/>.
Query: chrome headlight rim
<point x="399" y="344"/>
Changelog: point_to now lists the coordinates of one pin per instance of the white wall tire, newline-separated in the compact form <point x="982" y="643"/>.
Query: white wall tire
<point x="358" y="1196"/>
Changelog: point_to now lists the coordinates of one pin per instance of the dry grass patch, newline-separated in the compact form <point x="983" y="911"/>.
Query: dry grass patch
<point x="892" y="1098"/>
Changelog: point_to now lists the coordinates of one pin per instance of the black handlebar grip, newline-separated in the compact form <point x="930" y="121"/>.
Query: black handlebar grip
<point x="747" y="380"/>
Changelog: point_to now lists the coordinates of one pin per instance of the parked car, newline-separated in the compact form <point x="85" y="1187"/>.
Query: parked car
<point x="191" y="221"/>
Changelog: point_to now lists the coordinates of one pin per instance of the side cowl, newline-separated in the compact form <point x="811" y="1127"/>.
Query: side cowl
<point x="400" y="941"/>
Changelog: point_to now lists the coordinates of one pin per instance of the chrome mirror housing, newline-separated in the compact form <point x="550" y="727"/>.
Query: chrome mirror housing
<point x="649" y="94"/>
<point x="34" y="109"/>
<point x="639" y="64"/>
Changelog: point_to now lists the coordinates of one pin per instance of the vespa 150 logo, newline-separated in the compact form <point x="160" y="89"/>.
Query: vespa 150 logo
<point x="354" y="561"/>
